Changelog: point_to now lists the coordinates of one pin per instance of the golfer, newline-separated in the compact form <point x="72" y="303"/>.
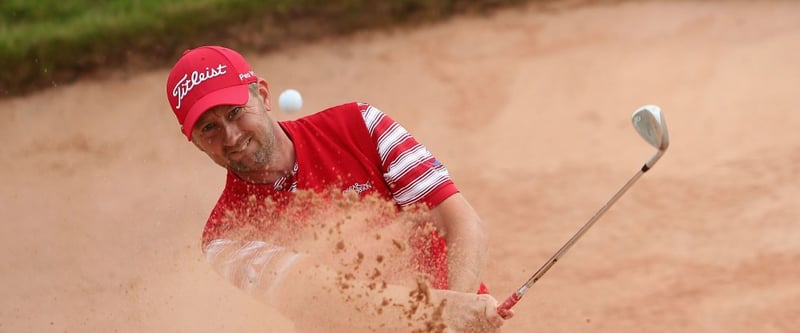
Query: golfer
<point x="224" y="109"/>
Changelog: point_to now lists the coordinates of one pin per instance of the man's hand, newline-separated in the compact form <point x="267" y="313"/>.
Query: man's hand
<point x="471" y="313"/>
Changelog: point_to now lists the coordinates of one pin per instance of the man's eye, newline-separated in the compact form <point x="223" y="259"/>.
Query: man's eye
<point x="208" y="127"/>
<point x="235" y="111"/>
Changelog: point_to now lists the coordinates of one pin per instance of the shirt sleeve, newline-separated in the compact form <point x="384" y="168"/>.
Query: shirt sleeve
<point x="413" y="174"/>
<point x="256" y="267"/>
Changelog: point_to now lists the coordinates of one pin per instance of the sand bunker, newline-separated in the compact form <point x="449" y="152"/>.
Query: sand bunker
<point x="104" y="201"/>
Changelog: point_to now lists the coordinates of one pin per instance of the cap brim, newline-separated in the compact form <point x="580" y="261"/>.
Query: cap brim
<point x="234" y="95"/>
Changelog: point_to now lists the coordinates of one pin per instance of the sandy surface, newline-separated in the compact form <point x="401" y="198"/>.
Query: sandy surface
<point x="103" y="201"/>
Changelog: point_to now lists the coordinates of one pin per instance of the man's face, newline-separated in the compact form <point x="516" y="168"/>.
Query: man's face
<point x="240" y="138"/>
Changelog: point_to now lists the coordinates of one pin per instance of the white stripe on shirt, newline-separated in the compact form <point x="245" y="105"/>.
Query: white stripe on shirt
<point x="398" y="168"/>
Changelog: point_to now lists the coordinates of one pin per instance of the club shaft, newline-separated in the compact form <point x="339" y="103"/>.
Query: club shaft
<point x="582" y="231"/>
<point x="517" y="295"/>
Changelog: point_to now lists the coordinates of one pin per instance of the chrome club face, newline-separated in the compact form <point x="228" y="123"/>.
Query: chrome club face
<point x="649" y="123"/>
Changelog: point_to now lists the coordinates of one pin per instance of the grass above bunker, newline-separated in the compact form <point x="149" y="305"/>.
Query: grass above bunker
<point x="50" y="42"/>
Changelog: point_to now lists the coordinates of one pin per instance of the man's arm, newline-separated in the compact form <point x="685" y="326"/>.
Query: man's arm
<point x="319" y="298"/>
<point x="467" y="242"/>
<point x="415" y="176"/>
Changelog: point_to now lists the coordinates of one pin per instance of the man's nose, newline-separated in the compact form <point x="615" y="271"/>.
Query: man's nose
<point x="232" y="134"/>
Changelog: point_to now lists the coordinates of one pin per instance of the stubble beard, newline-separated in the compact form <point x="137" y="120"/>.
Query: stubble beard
<point x="261" y="157"/>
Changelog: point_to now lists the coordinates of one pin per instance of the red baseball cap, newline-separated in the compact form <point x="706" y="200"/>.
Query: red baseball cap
<point x="206" y="77"/>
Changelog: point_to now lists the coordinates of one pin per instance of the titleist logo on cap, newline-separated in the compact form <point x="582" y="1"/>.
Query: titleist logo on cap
<point x="185" y="84"/>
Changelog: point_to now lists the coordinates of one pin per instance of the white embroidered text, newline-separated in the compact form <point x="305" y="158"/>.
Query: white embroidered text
<point x="184" y="86"/>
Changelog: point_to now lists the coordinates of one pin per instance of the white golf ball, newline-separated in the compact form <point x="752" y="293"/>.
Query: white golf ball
<point x="290" y="100"/>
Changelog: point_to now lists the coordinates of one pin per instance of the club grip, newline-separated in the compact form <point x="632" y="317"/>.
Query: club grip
<point x="503" y="308"/>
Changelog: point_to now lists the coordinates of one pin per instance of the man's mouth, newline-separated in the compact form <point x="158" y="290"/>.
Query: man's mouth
<point x="240" y="148"/>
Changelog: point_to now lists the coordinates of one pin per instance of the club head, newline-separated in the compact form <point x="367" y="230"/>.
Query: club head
<point x="649" y="122"/>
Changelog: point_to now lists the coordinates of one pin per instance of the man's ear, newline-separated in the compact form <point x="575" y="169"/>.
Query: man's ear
<point x="263" y="93"/>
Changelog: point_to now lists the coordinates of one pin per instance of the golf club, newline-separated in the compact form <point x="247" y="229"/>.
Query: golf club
<point x="649" y="123"/>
